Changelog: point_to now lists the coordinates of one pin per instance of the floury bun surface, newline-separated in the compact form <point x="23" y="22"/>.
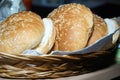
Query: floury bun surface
<point x="77" y="27"/>
<point x="74" y="23"/>
<point x="24" y="31"/>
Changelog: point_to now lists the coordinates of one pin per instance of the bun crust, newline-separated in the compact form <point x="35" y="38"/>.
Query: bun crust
<point x="20" y="31"/>
<point x="73" y="23"/>
<point x="99" y="29"/>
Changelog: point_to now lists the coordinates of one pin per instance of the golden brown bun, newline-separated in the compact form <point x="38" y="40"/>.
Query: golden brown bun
<point x="73" y="23"/>
<point x="99" y="29"/>
<point x="20" y="31"/>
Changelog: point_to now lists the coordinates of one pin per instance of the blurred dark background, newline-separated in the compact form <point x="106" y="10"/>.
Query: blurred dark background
<point x="103" y="8"/>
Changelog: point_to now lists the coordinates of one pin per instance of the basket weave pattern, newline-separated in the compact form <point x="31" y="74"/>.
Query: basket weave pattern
<point x="52" y="66"/>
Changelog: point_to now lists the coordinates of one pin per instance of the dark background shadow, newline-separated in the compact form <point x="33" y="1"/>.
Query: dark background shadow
<point x="107" y="10"/>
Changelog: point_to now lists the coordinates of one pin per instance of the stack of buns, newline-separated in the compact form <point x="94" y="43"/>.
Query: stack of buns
<point x="77" y="27"/>
<point x="69" y="27"/>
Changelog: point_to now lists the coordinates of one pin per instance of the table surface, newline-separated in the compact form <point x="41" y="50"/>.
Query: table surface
<point x="108" y="73"/>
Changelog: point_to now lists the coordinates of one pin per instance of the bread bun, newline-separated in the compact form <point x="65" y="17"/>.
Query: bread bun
<point x="99" y="29"/>
<point x="73" y="23"/>
<point x="22" y="31"/>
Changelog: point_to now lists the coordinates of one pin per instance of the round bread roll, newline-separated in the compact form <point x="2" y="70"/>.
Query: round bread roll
<point x="23" y="31"/>
<point x="73" y="24"/>
<point x="99" y="29"/>
<point x="20" y="31"/>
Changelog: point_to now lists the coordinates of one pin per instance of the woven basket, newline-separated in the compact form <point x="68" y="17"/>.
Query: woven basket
<point x="53" y="66"/>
